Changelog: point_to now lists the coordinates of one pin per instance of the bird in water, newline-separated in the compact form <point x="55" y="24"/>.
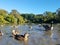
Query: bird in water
<point x="22" y="37"/>
<point x="1" y="26"/>
<point x="47" y="27"/>
<point x="17" y="36"/>
<point x="1" y="33"/>
<point x="51" y="27"/>
<point x="30" y="27"/>
<point x="14" y="32"/>
<point x="39" y="25"/>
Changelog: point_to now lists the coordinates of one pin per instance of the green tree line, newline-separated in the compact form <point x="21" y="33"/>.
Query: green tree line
<point x="46" y="17"/>
<point x="14" y="17"/>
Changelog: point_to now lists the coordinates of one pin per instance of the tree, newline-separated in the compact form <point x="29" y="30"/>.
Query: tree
<point x="11" y="19"/>
<point x="15" y="13"/>
<point x="2" y="20"/>
<point x="3" y="12"/>
<point x="58" y="14"/>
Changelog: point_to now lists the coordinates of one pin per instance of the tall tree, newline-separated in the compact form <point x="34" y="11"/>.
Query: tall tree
<point x="15" y="13"/>
<point x="58" y="14"/>
<point x="3" y="12"/>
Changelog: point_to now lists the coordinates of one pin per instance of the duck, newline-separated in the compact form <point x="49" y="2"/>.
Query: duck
<point x="14" y="26"/>
<point x="22" y="37"/>
<point x="51" y="27"/>
<point x="17" y="35"/>
<point x="1" y="33"/>
<point x="2" y="25"/>
<point x="14" y="32"/>
<point x="47" y="27"/>
<point x="30" y="27"/>
<point x="39" y="25"/>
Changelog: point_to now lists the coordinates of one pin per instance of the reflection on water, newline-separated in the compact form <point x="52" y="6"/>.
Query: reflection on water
<point x="36" y="37"/>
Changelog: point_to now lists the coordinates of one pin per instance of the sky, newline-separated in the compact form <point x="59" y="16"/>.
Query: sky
<point x="30" y="6"/>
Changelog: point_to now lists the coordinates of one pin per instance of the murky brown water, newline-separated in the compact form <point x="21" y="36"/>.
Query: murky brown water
<point x="37" y="35"/>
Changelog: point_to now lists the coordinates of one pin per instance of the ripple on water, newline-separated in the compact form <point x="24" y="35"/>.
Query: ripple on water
<point x="36" y="37"/>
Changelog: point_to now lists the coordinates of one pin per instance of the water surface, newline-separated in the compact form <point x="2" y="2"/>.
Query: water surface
<point x="37" y="35"/>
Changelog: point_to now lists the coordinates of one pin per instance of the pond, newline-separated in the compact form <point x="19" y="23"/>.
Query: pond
<point x="37" y="35"/>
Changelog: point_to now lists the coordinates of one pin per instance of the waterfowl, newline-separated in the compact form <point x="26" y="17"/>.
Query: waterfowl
<point x="14" y="26"/>
<point x="1" y="33"/>
<point x="39" y="25"/>
<point x="30" y="27"/>
<point x="22" y="37"/>
<point x="51" y="27"/>
<point x="14" y="32"/>
<point x="47" y="27"/>
<point x="1" y="25"/>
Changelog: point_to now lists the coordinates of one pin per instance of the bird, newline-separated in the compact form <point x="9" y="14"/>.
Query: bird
<point x="39" y="25"/>
<point x="14" y="32"/>
<point x="51" y="26"/>
<point x="47" y="27"/>
<point x="22" y="37"/>
<point x="2" y="25"/>
<point x="30" y="27"/>
<point x="1" y="33"/>
<point x="17" y="35"/>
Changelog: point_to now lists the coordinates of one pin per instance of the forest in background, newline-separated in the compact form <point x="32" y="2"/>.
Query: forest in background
<point x="14" y="17"/>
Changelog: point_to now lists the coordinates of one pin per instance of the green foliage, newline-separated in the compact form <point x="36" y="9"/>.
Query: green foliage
<point x="11" y="19"/>
<point x="14" y="17"/>
<point x="3" y="12"/>
<point x="2" y="20"/>
<point x="20" y="20"/>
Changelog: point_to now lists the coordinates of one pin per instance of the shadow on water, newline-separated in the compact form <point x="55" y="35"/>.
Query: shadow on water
<point x="36" y="37"/>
